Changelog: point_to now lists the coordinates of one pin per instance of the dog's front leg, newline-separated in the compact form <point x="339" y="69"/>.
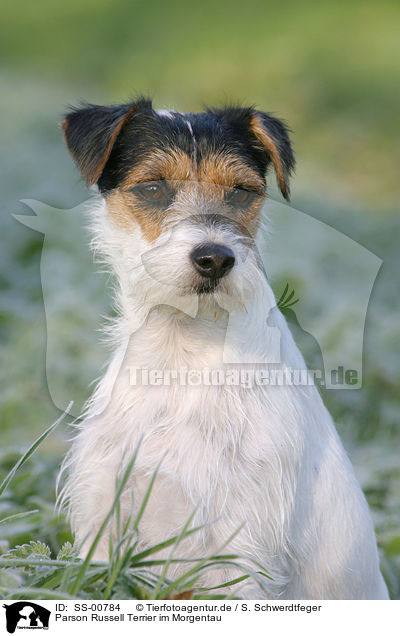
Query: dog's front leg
<point x="92" y="466"/>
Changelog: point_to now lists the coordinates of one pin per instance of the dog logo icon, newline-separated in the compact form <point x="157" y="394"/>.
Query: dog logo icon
<point x="26" y="615"/>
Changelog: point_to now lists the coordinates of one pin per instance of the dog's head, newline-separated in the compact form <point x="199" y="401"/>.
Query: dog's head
<point x="183" y="191"/>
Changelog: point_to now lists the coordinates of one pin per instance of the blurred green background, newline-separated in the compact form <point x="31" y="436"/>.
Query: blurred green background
<point x="330" y="69"/>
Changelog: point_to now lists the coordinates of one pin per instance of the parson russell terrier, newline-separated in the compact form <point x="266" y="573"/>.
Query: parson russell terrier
<point x="179" y="224"/>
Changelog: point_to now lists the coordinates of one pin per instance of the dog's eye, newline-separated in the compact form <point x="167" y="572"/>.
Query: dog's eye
<point x="238" y="196"/>
<point x="157" y="194"/>
<point x="151" y="191"/>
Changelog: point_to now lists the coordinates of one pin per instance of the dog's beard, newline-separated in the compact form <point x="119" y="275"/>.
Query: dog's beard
<point x="205" y="287"/>
<point x="161" y="273"/>
<point x="234" y="292"/>
<point x="169" y="266"/>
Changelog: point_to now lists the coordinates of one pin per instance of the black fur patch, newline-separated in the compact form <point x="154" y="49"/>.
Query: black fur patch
<point x="239" y="120"/>
<point x="108" y="141"/>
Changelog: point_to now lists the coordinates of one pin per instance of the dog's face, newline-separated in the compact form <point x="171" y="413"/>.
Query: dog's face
<point x="183" y="192"/>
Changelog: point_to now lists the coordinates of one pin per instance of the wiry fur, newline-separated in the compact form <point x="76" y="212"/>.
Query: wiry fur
<point x="266" y="457"/>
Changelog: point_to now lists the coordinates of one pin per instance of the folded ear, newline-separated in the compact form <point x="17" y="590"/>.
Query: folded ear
<point x="273" y="135"/>
<point x="91" y="132"/>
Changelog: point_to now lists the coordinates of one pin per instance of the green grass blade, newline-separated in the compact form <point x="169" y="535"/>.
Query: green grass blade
<point x="282" y="298"/>
<point x="18" y="515"/>
<point x="146" y="496"/>
<point x="33" y="592"/>
<point x="32" y="449"/>
<point x="139" y="556"/>
<point x="227" y="584"/>
<point x="291" y="304"/>
<point x="179" y="538"/>
<point x="10" y="562"/>
<point x="103" y="526"/>
<point x="289" y="298"/>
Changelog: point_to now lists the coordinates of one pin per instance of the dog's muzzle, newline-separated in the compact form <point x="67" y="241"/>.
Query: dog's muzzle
<point x="212" y="261"/>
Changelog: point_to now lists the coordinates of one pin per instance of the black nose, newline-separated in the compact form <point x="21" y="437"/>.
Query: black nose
<point x="213" y="261"/>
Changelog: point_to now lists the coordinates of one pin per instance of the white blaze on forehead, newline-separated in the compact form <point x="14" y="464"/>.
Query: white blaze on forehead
<point x="189" y="125"/>
<point x="166" y="113"/>
<point x="171" y="114"/>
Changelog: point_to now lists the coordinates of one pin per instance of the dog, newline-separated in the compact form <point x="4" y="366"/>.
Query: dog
<point x="179" y="222"/>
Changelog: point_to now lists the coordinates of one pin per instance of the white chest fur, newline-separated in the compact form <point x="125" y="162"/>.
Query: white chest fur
<point x="263" y="458"/>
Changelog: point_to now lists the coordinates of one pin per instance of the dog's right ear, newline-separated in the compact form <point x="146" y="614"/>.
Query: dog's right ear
<point x="91" y="132"/>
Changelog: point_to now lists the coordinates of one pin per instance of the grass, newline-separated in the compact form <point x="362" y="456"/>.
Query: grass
<point x="31" y="571"/>
<point x="48" y="567"/>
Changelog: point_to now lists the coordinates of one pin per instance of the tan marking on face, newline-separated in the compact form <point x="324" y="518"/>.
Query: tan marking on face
<point x="249" y="219"/>
<point x="208" y="180"/>
<point x="171" y="165"/>
<point x="230" y="171"/>
<point x="126" y="215"/>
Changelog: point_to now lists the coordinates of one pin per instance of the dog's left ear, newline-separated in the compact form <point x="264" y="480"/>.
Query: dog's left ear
<point x="273" y="135"/>
<point x="268" y="135"/>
